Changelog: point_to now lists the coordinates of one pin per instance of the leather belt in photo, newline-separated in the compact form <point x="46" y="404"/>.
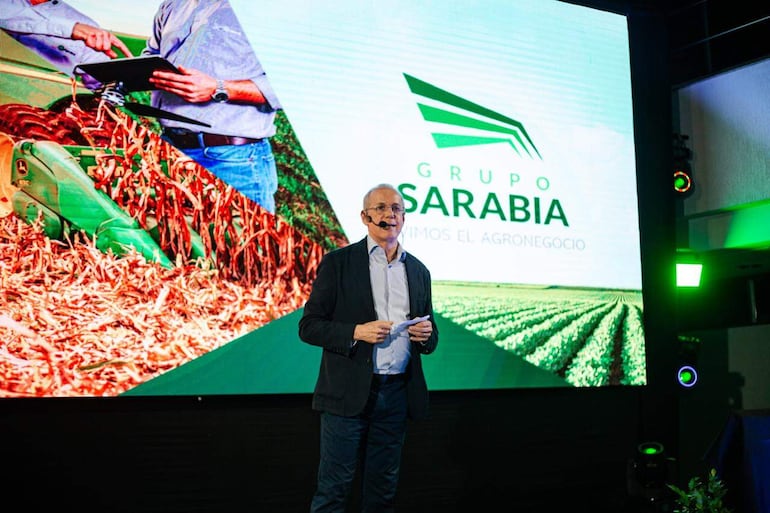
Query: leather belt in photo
<point x="382" y="379"/>
<point x="184" y="140"/>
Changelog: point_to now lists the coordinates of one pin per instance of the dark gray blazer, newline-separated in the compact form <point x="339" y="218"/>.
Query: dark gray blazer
<point x="340" y="299"/>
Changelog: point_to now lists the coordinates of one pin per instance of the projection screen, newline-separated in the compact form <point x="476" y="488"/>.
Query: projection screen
<point x="506" y="125"/>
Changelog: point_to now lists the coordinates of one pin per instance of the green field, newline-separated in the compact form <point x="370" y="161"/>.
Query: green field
<point x="589" y="337"/>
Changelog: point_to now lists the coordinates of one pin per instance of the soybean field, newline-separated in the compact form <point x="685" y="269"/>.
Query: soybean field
<point x="589" y="337"/>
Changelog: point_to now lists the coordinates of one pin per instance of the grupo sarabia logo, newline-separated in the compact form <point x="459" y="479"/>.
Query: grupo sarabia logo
<point x="465" y="124"/>
<point x="481" y="125"/>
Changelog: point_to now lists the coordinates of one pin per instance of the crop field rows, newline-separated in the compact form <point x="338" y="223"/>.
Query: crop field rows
<point x="590" y="337"/>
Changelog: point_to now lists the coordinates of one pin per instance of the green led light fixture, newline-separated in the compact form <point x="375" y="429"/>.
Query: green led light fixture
<point x="682" y="155"/>
<point x="688" y="275"/>
<point x="682" y="181"/>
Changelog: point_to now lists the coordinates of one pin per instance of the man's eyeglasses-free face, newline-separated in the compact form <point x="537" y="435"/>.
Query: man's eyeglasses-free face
<point x="381" y="208"/>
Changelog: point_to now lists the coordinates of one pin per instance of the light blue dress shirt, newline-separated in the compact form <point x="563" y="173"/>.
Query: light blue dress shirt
<point x="205" y="35"/>
<point x="391" y="303"/>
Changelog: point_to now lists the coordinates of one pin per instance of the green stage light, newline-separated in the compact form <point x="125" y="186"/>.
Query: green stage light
<point x="687" y="373"/>
<point x="682" y="181"/>
<point x="651" y="448"/>
<point x="648" y="472"/>
<point x="682" y="155"/>
<point x="687" y="376"/>
<point x="688" y="275"/>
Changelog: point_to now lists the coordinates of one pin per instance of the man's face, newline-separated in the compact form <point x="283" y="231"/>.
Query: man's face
<point x="384" y="206"/>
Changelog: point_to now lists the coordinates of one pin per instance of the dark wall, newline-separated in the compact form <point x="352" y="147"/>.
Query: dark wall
<point x="532" y="449"/>
<point x="160" y="454"/>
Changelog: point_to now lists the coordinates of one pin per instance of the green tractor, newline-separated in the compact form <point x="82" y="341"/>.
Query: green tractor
<point x="43" y="160"/>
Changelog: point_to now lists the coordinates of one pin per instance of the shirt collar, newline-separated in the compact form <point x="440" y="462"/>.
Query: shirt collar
<point x="371" y="245"/>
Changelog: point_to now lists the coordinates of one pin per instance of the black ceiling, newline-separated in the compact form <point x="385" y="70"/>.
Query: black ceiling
<point x="707" y="37"/>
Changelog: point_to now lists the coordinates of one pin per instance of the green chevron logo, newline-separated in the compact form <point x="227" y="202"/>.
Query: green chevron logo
<point x="494" y="127"/>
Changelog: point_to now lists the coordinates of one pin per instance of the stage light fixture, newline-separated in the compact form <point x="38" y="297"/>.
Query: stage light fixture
<point x="647" y="473"/>
<point x="688" y="275"/>
<point x="687" y="376"/>
<point x="651" y="449"/>
<point x="689" y="346"/>
<point x="682" y="181"/>
<point x="684" y="185"/>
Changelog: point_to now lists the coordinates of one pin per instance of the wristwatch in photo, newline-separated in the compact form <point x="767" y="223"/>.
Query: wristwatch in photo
<point x="220" y="93"/>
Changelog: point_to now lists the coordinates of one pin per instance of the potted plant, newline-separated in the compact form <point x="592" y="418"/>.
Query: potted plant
<point x="701" y="496"/>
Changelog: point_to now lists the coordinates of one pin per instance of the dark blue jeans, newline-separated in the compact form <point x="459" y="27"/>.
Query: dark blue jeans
<point x="250" y="169"/>
<point x="374" y="439"/>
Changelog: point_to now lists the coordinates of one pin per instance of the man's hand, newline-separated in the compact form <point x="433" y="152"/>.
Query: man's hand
<point x="191" y="85"/>
<point x="194" y="86"/>
<point x="99" y="39"/>
<point x="372" y="332"/>
<point x="421" y="331"/>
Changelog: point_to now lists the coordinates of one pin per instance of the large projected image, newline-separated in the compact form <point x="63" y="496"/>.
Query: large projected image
<point x="508" y="130"/>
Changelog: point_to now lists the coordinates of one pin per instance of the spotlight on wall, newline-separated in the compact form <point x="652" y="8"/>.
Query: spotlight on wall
<point x="687" y="374"/>
<point x="684" y="184"/>
<point x="688" y="275"/>
<point x="682" y="180"/>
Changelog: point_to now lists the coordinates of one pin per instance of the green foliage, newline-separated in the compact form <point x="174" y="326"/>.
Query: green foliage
<point x="700" y="496"/>
<point x="134" y="43"/>
<point x="300" y="199"/>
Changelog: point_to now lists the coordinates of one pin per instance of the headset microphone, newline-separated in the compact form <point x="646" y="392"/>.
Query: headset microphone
<point x="381" y="224"/>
